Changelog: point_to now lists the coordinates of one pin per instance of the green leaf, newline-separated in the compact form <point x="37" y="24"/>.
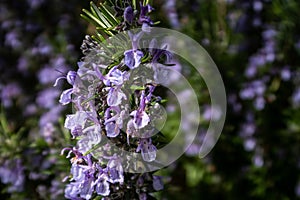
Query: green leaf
<point x="100" y="16"/>
<point x="96" y="20"/>
<point x="108" y="14"/>
<point x="136" y="87"/>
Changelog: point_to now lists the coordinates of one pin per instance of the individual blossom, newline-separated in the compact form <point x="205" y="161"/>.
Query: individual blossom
<point x="12" y="172"/>
<point x="144" y="19"/>
<point x="65" y="97"/>
<point x="147" y="149"/>
<point x="76" y="123"/>
<point x="133" y="56"/>
<point x="140" y="117"/>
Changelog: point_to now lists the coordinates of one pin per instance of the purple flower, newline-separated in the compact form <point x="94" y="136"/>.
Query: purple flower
<point x="101" y="185"/>
<point x="115" y="170"/>
<point x="115" y="96"/>
<point x="9" y="92"/>
<point x="159" y="52"/>
<point x="72" y="190"/>
<point x="145" y="20"/>
<point x="12" y="172"/>
<point x="71" y="77"/>
<point x="47" y="98"/>
<point x="116" y="77"/>
<point x="157" y="183"/>
<point x="46" y="75"/>
<point x="133" y="58"/>
<point x="140" y="118"/>
<point x="92" y="136"/>
<point x="128" y="14"/>
<point x="113" y="124"/>
<point x="86" y="179"/>
<point x="76" y="122"/>
<point x="148" y="149"/>
<point x="66" y="96"/>
<point x="50" y="116"/>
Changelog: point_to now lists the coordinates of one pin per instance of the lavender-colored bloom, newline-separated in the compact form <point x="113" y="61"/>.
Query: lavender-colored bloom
<point x="148" y="149"/>
<point x="34" y="4"/>
<point x="249" y="144"/>
<point x="259" y="103"/>
<point x="51" y="116"/>
<point x="257" y="6"/>
<point x="133" y="58"/>
<point x="285" y="74"/>
<point x="75" y="122"/>
<point x="114" y="123"/>
<point x="143" y="196"/>
<point x="115" y="77"/>
<point x="72" y="190"/>
<point x="12" y="172"/>
<point x="47" y="98"/>
<point x="87" y="188"/>
<point x="23" y="64"/>
<point x="145" y="20"/>
<point x="158" y="52"/>
<point x="247" y="93"/>
<point x="71" y="77"/>
<point x="101" y="185"/>
<point x="8" y="92"/>
<point x="247" y="129"/>
<point x="128" y="14"/>
<point x="47" y="132"/>
<point x="12" y="39"/>
<point x="140" y="119"/>
<point x="115" y="170"/>
<point x="66" y="97"/>
<point x="112" y="129"/>
<point x="170" y="8"/>
<point x="86" y="180"/>
<point x="212" y="113"/>
<point x="258" y="159"/>
<point x="115" y="96"/>
<point x="92" y="137"/>
<point x="157" y="183"/>
<point x="47" y="75"/>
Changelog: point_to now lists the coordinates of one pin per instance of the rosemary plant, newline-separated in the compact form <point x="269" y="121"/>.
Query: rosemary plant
<point x="115" y="106"/>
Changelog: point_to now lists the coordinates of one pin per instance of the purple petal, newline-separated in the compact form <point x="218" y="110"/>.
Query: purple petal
<point x="115" y="96"/>
<point x="133" y="58"/>
<point x="65" y="97"/>
<point x="102" y="188"/>
<point x="71" y="77"/>
<point x="72" y="190"/>
<point x="148" y="150"/>
<point x="149" y="153"/>
<point x="75" y="120"/>
<point x="157" y="183"/>
<point x="128" y="14"/>
<point x="115" y="171"/>
<point x="112" y="130"/>
<point x="140" y="119"/>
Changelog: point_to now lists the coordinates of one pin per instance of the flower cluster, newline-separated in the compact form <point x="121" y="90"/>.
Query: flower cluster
<point x="115" y="103"/>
